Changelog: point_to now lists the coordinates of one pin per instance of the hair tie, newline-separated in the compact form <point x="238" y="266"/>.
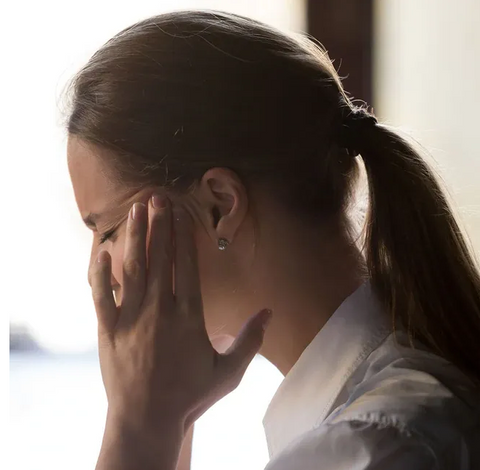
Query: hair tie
<point x="353" y="125"/>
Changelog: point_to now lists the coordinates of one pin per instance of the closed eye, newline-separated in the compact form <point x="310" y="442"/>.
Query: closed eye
<point x="107" y="235"/>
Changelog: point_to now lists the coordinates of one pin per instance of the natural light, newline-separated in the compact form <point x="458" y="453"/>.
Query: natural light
<point x="57" y="403"/>
<point x="57" y="399"/>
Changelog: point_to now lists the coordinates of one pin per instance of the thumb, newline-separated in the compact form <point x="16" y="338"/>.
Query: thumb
<point x="247" y="343"/>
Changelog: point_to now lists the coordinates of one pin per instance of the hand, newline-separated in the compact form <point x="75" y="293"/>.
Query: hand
<point x="157" y="362"/>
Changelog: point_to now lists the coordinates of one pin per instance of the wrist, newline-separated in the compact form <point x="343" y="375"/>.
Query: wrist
<point x="139" y="444"/>
<point x="147" y="429"/>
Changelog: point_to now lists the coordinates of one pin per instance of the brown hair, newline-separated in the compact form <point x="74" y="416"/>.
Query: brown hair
<point x="177" y="94"/>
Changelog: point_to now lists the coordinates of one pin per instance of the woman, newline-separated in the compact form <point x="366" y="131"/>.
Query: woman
<point x="215" y="160"/>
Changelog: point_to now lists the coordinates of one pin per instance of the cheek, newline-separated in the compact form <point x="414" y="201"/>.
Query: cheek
<point x="205" y="261"/>
<point x="212" y="284"/>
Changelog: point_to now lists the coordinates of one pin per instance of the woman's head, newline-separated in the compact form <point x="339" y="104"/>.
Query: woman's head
<point x="178" y="94"/>
<point x="238" y="122"/>
<point x="215" y="110"/>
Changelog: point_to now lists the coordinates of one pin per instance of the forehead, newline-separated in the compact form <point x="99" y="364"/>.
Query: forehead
<point x="95" y="188"/>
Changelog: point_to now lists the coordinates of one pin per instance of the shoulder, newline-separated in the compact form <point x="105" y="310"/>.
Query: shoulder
<point x="401" y="408"/>
<point x="356" y="443"/>
<point x="417" y="393"/>
<point x="412" y="388"/>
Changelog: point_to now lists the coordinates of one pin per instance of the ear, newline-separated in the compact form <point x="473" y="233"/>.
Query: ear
<point x="224" y="198"/>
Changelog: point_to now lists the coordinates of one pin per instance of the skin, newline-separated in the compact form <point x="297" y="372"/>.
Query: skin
<point x="302" y="275"/>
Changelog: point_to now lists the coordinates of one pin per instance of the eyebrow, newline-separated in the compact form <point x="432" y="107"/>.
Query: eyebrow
<point x="91" y="220"/>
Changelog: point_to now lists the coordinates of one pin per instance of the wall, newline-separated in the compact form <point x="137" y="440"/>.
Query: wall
<point x="427" y="76"/>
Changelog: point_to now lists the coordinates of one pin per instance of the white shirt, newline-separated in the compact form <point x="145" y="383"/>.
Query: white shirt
<point x="359" y="400"/>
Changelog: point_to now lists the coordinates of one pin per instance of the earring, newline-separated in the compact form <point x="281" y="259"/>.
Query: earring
<point x="222" y="243"/>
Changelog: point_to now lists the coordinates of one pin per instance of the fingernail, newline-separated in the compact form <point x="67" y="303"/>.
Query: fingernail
<point x="137" y="210"/>
<point x="158" y="202"/>
<point x="102" y="256"/>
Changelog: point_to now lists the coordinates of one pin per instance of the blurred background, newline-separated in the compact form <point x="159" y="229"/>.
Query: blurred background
<point x="415" y="61"/>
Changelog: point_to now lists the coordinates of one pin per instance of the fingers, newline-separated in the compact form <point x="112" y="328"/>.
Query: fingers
<point x="187" y="282"/>
<point x="134" y="261"/>
<point x="105" y="307"/>
<point x="160" y="253"/>
<point x="246" y="345"/>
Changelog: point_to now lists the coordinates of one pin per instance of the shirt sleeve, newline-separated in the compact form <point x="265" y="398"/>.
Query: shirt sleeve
<point x="356" y="445"/>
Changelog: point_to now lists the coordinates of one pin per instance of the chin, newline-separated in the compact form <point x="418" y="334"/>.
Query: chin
<point x="221" y="342"/>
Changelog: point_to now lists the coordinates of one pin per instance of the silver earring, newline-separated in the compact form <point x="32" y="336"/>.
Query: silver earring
<point x="223" y="243"/>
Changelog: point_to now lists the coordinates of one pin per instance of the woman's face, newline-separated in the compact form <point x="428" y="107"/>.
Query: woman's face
<point x="104" y="205"/>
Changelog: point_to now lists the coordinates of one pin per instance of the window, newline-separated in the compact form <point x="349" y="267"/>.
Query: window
<point x="57" y="401"/>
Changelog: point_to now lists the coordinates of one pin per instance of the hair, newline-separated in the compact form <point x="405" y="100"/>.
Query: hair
<point x="179" y="93"/>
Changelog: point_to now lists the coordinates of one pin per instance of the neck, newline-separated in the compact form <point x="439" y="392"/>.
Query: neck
<point x="304" y="279"/>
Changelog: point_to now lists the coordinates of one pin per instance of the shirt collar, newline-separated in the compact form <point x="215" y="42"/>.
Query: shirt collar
<point x="308" y="392"/>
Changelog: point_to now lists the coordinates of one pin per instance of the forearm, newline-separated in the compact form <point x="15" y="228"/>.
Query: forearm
<point x="126" y="447"/>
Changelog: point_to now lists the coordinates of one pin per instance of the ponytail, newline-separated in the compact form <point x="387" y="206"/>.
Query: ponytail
<point x="418" y="260"/>
<point x="217" y="68"/>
